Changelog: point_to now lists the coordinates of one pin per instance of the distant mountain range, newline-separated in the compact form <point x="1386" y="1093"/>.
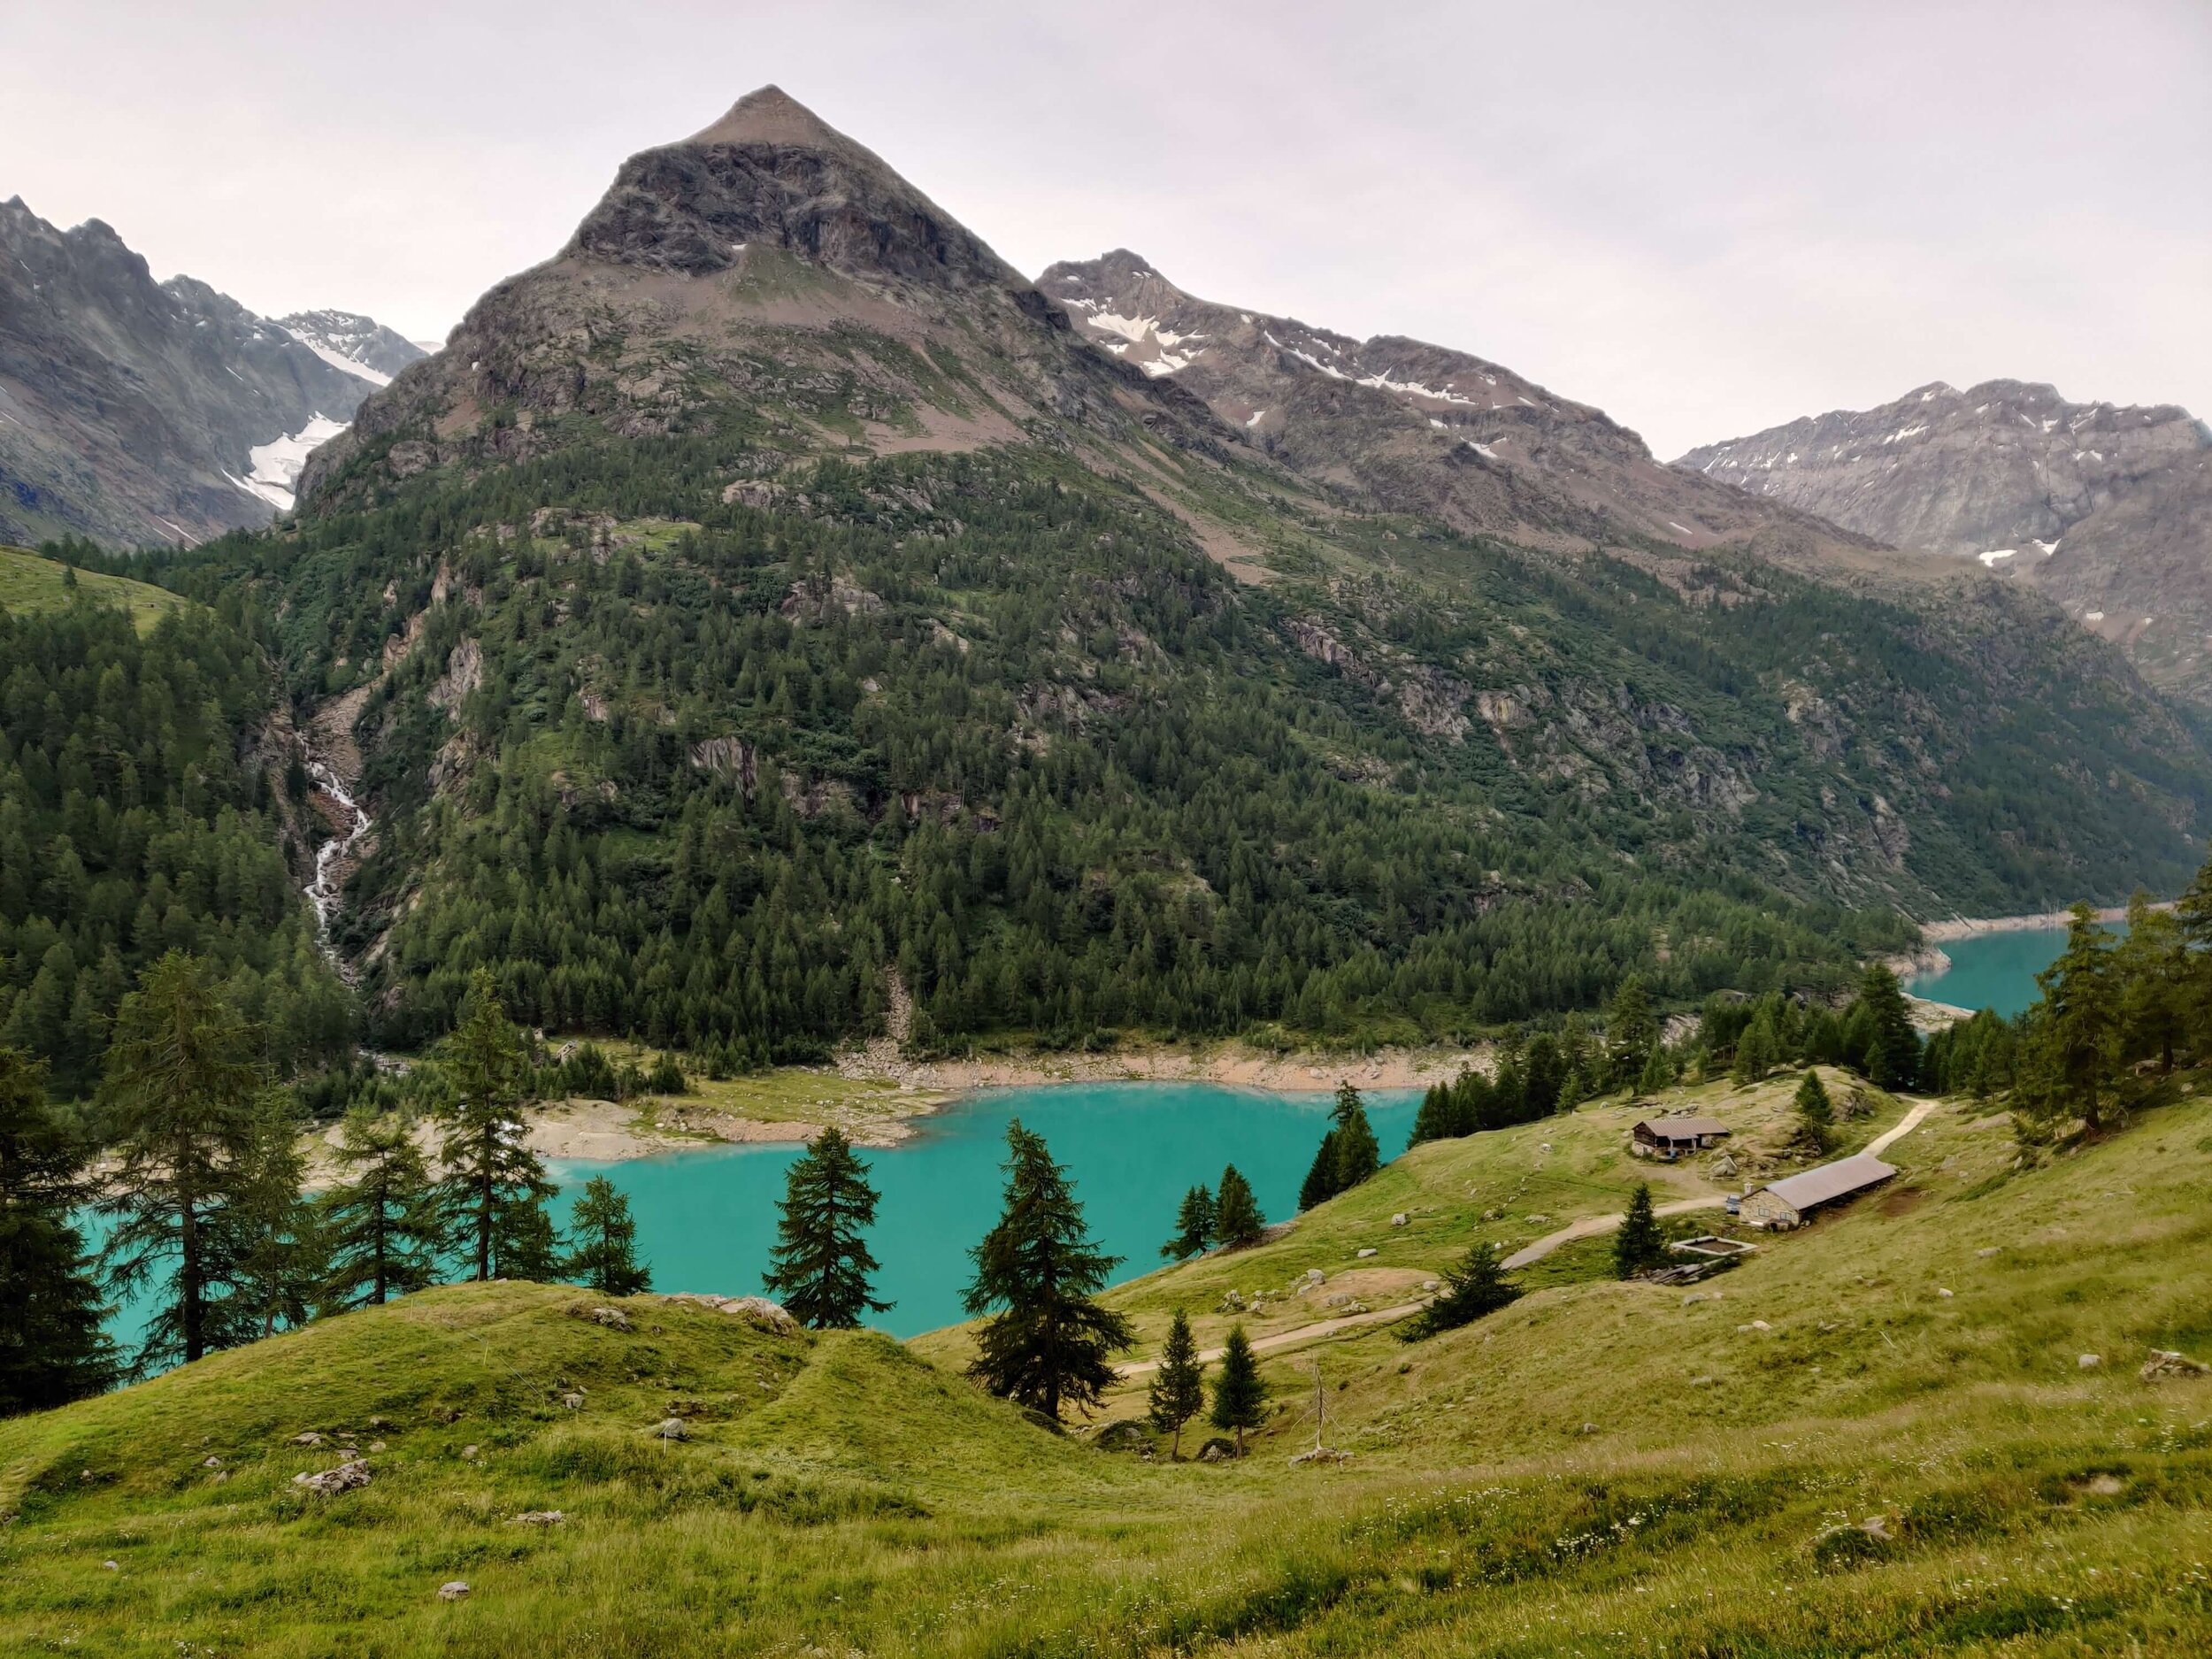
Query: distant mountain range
<point x="2108" y="510"/>
<point x="1425" y="429"/>
<point x="133" y="413"/>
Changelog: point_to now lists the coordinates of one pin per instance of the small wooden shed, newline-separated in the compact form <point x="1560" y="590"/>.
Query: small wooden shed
<point x="1668" y="1139"/>
<point x="1787" y="1203"/>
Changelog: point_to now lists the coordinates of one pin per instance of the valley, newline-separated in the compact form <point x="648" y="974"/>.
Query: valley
<point x="1336" y="1010"/>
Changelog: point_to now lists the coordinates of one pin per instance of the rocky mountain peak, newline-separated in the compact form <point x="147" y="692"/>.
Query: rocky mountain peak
<point x="771" y="175"/>
<point x="2105" y="507"/>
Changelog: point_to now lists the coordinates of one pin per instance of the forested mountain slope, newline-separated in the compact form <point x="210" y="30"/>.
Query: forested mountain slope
<point x="2106" y="509"/>
<point x="140" y="812"/>
<point x="773" y="589"/>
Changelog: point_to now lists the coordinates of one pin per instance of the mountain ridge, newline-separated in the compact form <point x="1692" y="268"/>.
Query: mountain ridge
<point x="2106" y="509"/>
<point x="138" y="412"/>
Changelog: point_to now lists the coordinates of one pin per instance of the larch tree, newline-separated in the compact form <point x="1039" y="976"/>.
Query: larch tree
<point x="276" y="1245"/>
<point x="820" y="1266"/>
<point x="1237" y="1219"/>
<point x="1239" y="1394"/>
<point x="2069" y="1064"/>
<point x="381" y="1220"/>
<point x="1477" y="1286"/>
<point x="1179" y="1388"/>
<point x="1046" y="1343"/>
<point x="181" y="1078"/>
<point x="604" y="1239"/>
<point x="1631" y="1031"/>
<point x="1815" y="1114"/>
<point x="1194" y="1224"/>
<point x="493" y="1196"/>
<point x="53" y="1347"/>
<point x="1639" y="1246"/>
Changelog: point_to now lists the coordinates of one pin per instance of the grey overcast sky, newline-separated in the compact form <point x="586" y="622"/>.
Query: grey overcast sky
<point x="1704" y="217"/>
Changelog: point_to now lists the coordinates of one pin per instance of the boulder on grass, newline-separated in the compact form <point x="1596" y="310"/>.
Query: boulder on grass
<point x="330" y="1482"/>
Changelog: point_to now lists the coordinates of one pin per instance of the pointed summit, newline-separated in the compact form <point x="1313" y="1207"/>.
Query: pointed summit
<point x="770" y="115"/>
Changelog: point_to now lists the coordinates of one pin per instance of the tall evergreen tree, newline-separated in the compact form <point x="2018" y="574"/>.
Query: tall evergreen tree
<point x="1477" y="1286"/>
<point x="2070" y="1061"/>
<point x="1639" y="1246"/>
<point x="1543" y="1072"/>
<point x="182" y="1079"/>
<point x="1632" y="1031"/>
<point x="2152" y="968"/>
<point x="1891" y="1056"/>
<point x="1195" y="1222"/>
<point x="52" y="1348"/>
<point x="1179" y="1388"/>
<point x="1239" y="1394"/>
<point x="493" y="1196"/>
<point x="1046" y="1343"/>
<point x="1237" y="1219"/>
<point x="1320" y="1185"/>
<point x="380" y="1220"/>
<point x="1815" y="1114"/>
<point x="275" y="1246"/>
<point x="605" y="1237"/>
<point x="821" y="1264"/>
<point x="1358" y="1155"/>
<point x="1754" y="1050"/>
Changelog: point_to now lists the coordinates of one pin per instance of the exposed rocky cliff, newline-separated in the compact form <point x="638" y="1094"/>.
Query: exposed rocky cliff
<point x="2106" y="509"/>
<point x="134" y="411"/>
<point x="1425" y="429"/>
<point x="768" y="279"/>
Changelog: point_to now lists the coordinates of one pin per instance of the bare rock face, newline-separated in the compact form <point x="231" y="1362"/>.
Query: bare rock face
<point x="767" y="269"/>
<point x="1419" y="427"/>
<point x="135" y="412"/>
<point x="2108" y="510"/>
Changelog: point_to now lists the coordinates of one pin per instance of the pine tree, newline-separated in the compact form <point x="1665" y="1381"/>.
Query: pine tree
<point x="605" y="1237"/>
<point x="1632" y="1031"/>
<point x="1815" y="1116"/>
<point x="2152" y="968"/>
<point x="1047" y="1343"/>
<point x="1639" y="1246"/>
<point x="493" y="1196"/>
<point x="381" y="1221"/>
<point x="180" y="1081"/>
<point x="276" y="1246"/>
<point x="1477" y="1286"/>
<point x="2070" y="1063"/>
<point x="1239" y="1395"/>
<point x="1891" y="1058"/>
<point x="1179" y="1388"/>
<point x="52" y="1348"/>
<point x="1358" y="1155"/>
<point x="821" y="1264"/>
<point x="1237" y="1219"/>
<point x="1194" y="1225"/>
<point x="1754" y="1050"/>
<point x="1658" y="1072"/>
<point x="1320" y="1185"/>
<point x="1543" y="1072"/>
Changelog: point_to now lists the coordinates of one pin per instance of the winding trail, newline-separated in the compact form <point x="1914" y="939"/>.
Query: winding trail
<point x="1588" y="1227"/>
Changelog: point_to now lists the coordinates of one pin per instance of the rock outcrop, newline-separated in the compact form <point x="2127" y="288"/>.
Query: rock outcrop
<point x="2107" y="509"/>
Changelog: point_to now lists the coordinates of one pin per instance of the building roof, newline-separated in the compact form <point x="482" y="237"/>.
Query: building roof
<point x="1684" y="1128"/>
<point x="1830" y="1181"/>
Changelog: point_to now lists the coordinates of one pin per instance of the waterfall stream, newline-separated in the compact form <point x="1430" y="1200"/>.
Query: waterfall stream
<point x="322" y="891"/>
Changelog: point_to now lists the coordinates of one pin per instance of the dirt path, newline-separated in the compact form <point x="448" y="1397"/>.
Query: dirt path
<point x="1286" y="1339"/>
<point x="1590" y="1226"/>
<point x="1889" y="1138"/>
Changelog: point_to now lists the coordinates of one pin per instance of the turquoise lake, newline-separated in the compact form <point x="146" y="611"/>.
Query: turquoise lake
<point x="1993" y="970"/>
<point x="706" y="1218"/>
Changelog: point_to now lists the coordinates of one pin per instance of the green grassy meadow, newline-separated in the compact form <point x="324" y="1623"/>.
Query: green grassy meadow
<point x="30" y="583"/>
<point x="1819" y="1453"/>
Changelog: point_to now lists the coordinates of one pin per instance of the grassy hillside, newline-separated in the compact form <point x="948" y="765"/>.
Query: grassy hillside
<point x="1603" y="1468"/>
<point x="30" y="584"/>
